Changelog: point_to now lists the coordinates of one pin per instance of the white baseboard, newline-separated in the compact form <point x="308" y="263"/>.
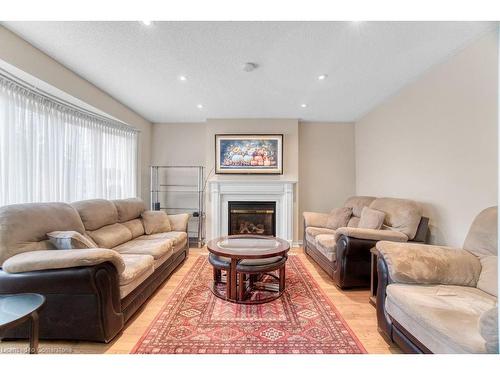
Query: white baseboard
<point x="297" y="244"/>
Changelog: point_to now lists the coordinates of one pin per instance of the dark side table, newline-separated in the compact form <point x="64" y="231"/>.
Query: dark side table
<point x="15" y="309"/>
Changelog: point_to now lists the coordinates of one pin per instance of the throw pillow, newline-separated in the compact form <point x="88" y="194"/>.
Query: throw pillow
<point x="156" y="222"/>
<point x="371" y="219"/>
<point x="67" y="240"/>
<point x="339" y="217"/>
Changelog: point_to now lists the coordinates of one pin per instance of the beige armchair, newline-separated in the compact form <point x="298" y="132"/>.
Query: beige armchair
<point x="437" y="299"/>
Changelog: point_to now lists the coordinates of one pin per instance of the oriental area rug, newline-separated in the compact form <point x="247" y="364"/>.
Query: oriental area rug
<point x="301" y="321"/>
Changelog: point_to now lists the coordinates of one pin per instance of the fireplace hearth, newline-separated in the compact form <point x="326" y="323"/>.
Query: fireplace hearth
<point x="257" y="218"/>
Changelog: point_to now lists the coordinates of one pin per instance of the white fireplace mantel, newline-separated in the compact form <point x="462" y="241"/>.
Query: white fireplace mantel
<point x="280" y="191"/>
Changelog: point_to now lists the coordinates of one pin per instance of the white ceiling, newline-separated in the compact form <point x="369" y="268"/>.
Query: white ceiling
<point x="366" y="62"/>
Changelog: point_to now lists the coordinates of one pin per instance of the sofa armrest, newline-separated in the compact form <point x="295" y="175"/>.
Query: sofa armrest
<point x="315" y="219"/>
<point x="179" y="222"/>
<point x="414" y="263"/>
<point x="370" y="234"/>
<point x="57" y="259"/>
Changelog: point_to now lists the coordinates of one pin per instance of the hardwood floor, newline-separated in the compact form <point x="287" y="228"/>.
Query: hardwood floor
<point x="353" y="305"/>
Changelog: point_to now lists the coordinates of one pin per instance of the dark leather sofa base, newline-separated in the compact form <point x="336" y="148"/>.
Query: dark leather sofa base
<point x="83" y="303"/>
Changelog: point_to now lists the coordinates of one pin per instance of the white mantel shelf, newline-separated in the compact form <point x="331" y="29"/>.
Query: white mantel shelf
<point x="281" y="191"/>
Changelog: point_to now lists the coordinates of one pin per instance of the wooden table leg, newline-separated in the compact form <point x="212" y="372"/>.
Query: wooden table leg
<point x="233" y="280"/>
<point x="34" y="334"/>
<point x="241" y="287"/>
<point x="282" y="278"/>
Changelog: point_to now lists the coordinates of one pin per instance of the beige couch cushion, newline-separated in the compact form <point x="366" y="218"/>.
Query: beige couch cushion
<point x="338" y="217"/>
<point x="56" y="259"/>
<point x="110" y="236"/>
<point x="70" y="239"/>
<point x="156" y="222"/>
<point x="427" y="264"/>
<point x="357" y="203"/>
<point x="371" y="219"/>
<point x="179" y="222"/>
<point x="135" y="227"/>
<point x="326" y="244"/>
<point x="24" y="227"/>
<point x="156" y="248"/>
<point x="401" y="215"/>
<point x="443" y="318"/>
<point x="353" y="222"/>
<point x="96" y="213"/>
<point x="174" y="236"/>
<point x="129" y="209"/>
<point x="312" y="232"/>
<point x="137" y="269"/>
<point x="488" y="278"/>
<point x="488" y="328"/>
<point x="482" y="238"/>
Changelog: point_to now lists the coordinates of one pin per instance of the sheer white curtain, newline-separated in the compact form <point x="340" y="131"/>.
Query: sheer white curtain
<point x="52" y="152"/>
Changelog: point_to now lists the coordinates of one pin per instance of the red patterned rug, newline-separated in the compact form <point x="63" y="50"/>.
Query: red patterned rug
<point x="301" y="321"/>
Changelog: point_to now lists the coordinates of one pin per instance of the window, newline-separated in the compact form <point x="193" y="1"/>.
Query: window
<point x="53" y="152"/>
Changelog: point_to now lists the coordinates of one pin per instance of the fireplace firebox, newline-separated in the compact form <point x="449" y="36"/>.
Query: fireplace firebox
<point x="257" y="218"/>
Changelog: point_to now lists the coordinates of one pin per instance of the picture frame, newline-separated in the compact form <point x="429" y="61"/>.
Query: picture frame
<point x="249" y="154"/>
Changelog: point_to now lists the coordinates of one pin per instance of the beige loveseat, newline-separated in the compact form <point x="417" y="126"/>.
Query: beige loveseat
<point x="344" y="252"/>
<point x="437" y="299"/>
<point x="90" y="292"/>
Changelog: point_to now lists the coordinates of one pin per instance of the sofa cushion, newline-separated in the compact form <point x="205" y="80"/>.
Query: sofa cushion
<point x="482" y="238"/>
<point x="70" y="239"/>
<point x="443" y="318"/>
<point x="353" y="222"/>
<point x="371" y="219"/>
<point x="137" y="269"/>
<point x="339" y="217"/>
<point x="488" y="278"/>
<point x="155" y="222"/>
<point x="24" y="227"/>
<point x="96" y="213"/>
<point x="129" y="209"/>
<point x="176" y="237"/>
<point x="135" y="227"/>
<point x="314" y="231"/>
<point x="401" y="215"/>
<point x="156" y="248"/>
<point x="488" y="328"/>
<point x="326" y="244"/>
<point x="179" y="222"/>
<point x="110" y="236"/>
<point x="357" y="203"/>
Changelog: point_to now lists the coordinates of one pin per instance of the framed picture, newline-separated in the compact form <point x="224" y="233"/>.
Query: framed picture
<point x="249" y="153"/>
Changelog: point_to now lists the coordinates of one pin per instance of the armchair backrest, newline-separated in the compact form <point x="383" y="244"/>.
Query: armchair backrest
<point x="482" y="238"/>
<point x="402" y="215"/>
<point x="24" y="227"/>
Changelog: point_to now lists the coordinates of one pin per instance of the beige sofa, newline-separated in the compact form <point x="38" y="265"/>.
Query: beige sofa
<point x="344" y="253"/>
<point x="437" y="299"/>
<point x="92" y="292"/>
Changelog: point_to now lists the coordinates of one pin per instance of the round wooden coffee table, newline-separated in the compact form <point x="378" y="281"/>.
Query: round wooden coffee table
<point x="249" y="262"/>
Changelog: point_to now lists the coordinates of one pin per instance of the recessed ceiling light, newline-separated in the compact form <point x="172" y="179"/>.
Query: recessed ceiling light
<point x="303" y="105"/>
<point x="182" y="78"/>
<point x="322" y="77"/>
<point x="199" y="106"/>
<point x="147" y="23"/>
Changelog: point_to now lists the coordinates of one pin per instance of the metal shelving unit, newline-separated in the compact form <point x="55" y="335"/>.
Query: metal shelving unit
<point x="180" y="189"/>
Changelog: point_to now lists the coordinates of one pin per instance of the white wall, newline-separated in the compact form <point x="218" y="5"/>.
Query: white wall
<point x="326" y="166"/>
<point x="22" y="55"/>
<point x="436" y="142"/>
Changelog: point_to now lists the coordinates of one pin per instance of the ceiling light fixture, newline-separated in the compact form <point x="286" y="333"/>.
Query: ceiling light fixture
<point x="303" y="105"/>
<point x="182" y="78"/>
<point x="322" y="77"/>
<point x="147" y="23"/>
<point x="250" y="66"/>
<point x="199" y="106"/>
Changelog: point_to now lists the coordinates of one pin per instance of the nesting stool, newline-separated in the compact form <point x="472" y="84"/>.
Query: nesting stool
<point x="220" y="264"/>
<point x="256" y="269"/>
